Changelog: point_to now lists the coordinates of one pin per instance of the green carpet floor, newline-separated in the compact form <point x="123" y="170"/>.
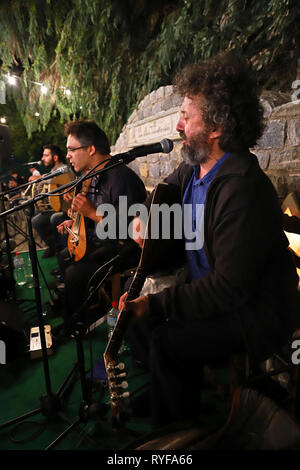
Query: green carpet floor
<point x="23" y="383"/>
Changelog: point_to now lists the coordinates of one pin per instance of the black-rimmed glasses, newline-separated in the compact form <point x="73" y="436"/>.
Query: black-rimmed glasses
<point x="70" y="149"/>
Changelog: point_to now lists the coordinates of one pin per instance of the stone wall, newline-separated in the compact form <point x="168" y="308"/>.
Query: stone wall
<point x="278" y="150"/>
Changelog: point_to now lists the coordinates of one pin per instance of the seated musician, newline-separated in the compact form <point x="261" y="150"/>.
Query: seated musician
<point x="242" y="282"/>
<point x="12" y="186"/>
<point x="46" y="218"/>
<point x="88" y="146"/>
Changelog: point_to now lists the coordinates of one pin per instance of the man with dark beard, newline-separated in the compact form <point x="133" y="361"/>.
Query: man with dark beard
<point x="241" y="289"/>
<point x="53" y="159"/>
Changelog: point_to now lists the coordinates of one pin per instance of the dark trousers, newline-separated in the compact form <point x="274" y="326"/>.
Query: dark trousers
<point x="78" y="274"/>
<point x="175" y="353"/>
<point x="41" y="223"/>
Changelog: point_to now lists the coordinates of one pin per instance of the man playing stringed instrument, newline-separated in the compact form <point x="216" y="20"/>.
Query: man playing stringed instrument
<point x="242" y="284"/>
<point x="88" y="147"/>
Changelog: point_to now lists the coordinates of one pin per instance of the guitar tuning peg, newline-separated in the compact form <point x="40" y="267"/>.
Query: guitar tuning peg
<point x="120" y="366"/>
<point x="123" y="384"/>
<point x="117" y="396"/>
<point x="118" y="376"/>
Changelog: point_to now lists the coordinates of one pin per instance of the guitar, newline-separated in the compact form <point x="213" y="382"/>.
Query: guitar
<point x="49" y="203"/>
<point x="155" y="253"/>
<point x="77" y="233"/>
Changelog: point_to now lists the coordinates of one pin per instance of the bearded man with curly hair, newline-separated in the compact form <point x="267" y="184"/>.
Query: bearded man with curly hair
<point x="241" y="287"/>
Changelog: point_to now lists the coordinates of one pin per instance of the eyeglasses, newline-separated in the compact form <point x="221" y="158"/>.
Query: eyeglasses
<point x="70" y="149"/>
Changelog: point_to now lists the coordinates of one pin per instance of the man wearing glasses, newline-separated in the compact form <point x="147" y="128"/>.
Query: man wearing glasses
<point x="87" y="148"/>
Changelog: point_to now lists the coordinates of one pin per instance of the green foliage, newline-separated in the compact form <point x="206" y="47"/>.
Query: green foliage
<point x="110" y="53"/>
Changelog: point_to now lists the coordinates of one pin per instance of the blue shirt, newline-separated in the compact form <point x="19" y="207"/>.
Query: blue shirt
<point x="193" y="219"/>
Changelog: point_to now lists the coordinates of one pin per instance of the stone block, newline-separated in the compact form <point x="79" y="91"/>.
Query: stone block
<point x="154" y="158"/>
<point x="133" y="117"/>
<point x="160" y="93"/>
<point x="169" y="90"/>
<point x="156" y="108"/>
<point x="166" y="167"/>
<point x="274" y="135"/>
<point x="143" y="170"/>
<point x="154" y="170"/>
<point x="280" y="157"/>
<point x="287" y="110"/>
<point x="167" y="103"/>
<point x="147" y="112"/>
<point x="271" y="100"/>
<point x="152" y="96"/>
<point x="140" y="114"/>
<point x="293" y="132"/>
<point x="263" y="158"/>
<point x="176" y="100"/>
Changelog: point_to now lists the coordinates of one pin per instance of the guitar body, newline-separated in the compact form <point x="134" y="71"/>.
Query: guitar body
<point x="155" y="253"/>
<point x="54" y="200"/>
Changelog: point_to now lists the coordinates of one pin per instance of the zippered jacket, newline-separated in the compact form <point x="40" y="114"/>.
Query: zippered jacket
<point x="253" y="277"/>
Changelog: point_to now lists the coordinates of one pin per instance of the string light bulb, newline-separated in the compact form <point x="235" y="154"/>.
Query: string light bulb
<point x="3" y="120"/>
<point x="11" y="80"/>
<point x="44" y="90"/>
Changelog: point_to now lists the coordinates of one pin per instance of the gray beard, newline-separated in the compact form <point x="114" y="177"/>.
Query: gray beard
<point x="194" y="157"/>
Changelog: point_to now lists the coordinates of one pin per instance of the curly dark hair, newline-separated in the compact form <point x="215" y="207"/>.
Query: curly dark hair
<point x="88" y="133"/>
<point x="231" y="99"/>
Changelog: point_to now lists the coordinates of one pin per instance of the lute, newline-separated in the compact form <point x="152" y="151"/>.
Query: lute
<point x="77" y="233"/>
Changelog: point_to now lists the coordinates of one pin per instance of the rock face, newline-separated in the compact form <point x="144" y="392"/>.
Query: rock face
<point x="278" y="150"/>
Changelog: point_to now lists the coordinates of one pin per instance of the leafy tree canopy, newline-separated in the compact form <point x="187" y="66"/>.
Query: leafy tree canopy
<point x="111" y="53"/>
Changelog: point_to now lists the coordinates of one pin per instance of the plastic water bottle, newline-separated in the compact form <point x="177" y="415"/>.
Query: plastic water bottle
<point x="19" y="270"/>
<point x="111" y="318"/>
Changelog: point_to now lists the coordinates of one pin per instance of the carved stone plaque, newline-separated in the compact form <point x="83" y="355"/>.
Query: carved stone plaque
<point x="154" y="129"/>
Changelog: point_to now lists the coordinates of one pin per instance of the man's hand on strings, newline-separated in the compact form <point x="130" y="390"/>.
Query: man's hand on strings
<point x="61" y="228"/>
<point x="139" y="306"/>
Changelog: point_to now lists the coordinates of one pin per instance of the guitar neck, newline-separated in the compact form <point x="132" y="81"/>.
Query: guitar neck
<point x="125" y="316"/>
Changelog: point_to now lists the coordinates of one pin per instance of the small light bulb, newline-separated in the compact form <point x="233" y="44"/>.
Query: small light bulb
<point x="3" y="120"/>
<point x="68" y="92"/>
<point x="36" y="114"/>
<point x="11" y="80"/>
<point x="44" y="90"/>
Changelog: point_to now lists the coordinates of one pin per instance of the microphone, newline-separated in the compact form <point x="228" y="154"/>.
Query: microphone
<point x="60" y="171"/>
<point x="33" y="163"/>
<point x="164" y="146"/>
